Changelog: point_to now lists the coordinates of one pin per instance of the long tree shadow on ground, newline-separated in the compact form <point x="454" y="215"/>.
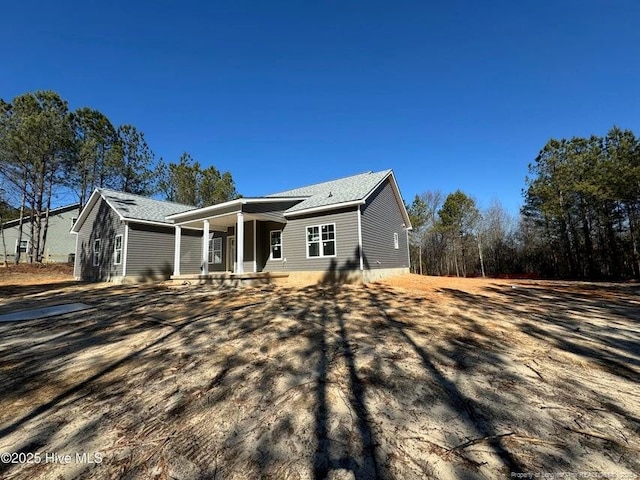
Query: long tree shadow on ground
<point x="273" y="382"/>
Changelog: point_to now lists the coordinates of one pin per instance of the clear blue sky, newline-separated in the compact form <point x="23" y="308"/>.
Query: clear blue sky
<point x="459" y="94"/>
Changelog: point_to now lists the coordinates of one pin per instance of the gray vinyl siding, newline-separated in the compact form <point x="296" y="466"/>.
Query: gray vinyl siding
<point x="381" y="218"/>
<point x="150" y="252"/>
<point x="219" y="267"/>
<point x="273" y="211"/>
<point x="60" y="243"/>
<point x="264" y="247"/>
<point x="294" y="243"/>
<point x="190" y="251"/>
<point x="248" y="242"/>
<point x="104" y="224"/>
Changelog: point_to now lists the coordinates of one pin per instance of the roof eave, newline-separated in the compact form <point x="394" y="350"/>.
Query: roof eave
<point x="324" y="208"/>
<point x="398" y="195"/>
<point x="85" y="211"/>
<point x="240" y="201"/>
<point x="203" y="210"/>
<point x="147" y="222"/>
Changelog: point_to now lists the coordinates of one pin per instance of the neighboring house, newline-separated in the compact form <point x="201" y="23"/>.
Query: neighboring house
<point x="351" y="229"/>
<point x="60" y="243"/>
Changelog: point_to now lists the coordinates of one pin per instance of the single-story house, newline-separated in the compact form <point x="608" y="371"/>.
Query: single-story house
<point x="352" y="229"/>
<point x="60" y="244"/>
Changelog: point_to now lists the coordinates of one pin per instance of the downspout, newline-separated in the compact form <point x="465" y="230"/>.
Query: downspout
<point x="409" y="252"/>
<point x="76" y="268"/>
<point x="360" y="240"/>
<point x="124" y="249"/>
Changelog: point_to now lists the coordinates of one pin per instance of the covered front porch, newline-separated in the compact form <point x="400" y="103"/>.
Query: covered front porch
<point x="236" y="238"/>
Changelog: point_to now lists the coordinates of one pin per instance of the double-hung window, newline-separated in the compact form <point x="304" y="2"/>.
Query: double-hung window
<point x="215" y="250"/>
<point x="23" y="247"/>
<point x="117" y="250"/>
<point x="96" y="252"/>
<point x="321" y="240"/>
<point x="276" y="245"/>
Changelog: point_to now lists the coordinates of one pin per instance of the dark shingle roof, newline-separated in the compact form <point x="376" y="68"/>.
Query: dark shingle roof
<point x="334" y="192"/>
<point x="136" y="207"/>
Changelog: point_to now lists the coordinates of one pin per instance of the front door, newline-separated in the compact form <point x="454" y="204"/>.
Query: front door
<point x="231" y="254"/>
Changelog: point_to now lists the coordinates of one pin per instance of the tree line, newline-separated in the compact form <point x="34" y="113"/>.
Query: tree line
<point x="580" y="218"/>
<point x="46" y="149"/>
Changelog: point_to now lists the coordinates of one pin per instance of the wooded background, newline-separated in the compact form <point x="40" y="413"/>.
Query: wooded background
<point x="45" y="148"/>
<point x="580" y="216"/>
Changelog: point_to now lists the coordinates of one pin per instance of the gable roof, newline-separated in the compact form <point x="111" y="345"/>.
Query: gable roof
<point x="130" y="207"/>
<point x="343" y="192"/>
<point x="52" y="212"/>
<point x="330" y="195"/>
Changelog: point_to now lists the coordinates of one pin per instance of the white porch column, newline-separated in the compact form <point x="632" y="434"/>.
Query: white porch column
<point x="255" y="246"/>
<point x="240" y="243"/>
<point x="205" y="248"/>
<point x="176" y="251"/>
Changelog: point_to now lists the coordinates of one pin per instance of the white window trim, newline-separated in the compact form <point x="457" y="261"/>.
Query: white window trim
<point x="321" y="250"/>
<point x="271" y="232"/>
<point x="212" y="251"/>
<point x="115" y="249"/>
<point x="26" y="250"/>
<point x="96" y="253"/>
<point x="396" y="241"/>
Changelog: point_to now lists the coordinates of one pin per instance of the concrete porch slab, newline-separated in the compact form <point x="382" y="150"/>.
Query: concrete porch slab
<point x="226" y="278"/>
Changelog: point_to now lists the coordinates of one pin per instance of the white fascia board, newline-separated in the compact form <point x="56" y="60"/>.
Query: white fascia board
<point x="146" y="222"/>
<point x="85" y="211"/>
<point x="324" y="208"/>
<point x="377" y="185"/>
<point x="120" y="216"/>
<point x="238" y="201"/>
<point x="203" y="210"/>
<point x="398" y="195"/>
<point x="403" y="208"/>
<point x="270" y="199"/>
<point x="208" y="217"/>
<point x="275" y="199"/>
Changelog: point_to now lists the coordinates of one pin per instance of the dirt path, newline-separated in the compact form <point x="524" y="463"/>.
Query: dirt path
<point x="410" y="378"/>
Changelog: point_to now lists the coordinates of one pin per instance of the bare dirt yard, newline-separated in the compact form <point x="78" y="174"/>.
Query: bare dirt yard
<point x="415" y="377"/>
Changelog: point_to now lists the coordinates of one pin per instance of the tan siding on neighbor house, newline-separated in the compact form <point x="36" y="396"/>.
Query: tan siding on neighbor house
<point x="60" y="243"/>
